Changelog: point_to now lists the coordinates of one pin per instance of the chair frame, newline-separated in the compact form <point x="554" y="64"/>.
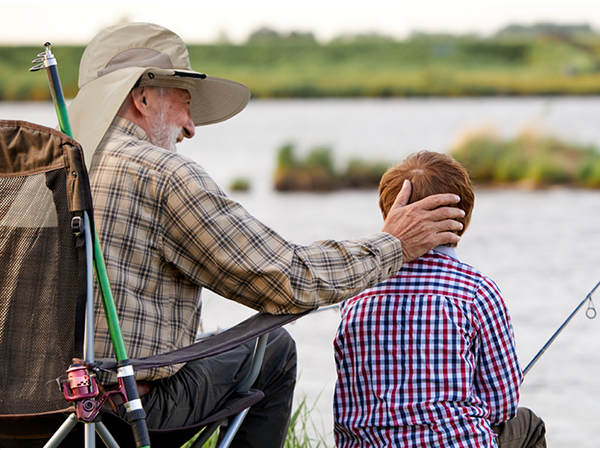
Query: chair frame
<point x="91" y="428"/>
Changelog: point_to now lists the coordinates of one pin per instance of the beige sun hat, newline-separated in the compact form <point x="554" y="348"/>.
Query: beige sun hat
<point x="121" y="55"/>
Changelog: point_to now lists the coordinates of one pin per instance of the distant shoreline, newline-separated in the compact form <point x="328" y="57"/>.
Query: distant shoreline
<point x="423" y="66"/>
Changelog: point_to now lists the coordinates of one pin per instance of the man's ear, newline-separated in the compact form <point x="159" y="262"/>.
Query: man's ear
<point x="139" y="100"/>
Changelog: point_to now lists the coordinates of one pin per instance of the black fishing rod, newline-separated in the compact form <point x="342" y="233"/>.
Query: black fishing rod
<point x="590" y="314"/>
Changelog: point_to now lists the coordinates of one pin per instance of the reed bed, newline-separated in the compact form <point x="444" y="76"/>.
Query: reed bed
<point x="530" y="160"/>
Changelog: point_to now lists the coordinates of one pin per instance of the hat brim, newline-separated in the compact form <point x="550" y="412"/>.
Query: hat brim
<point x="213" y="100"/>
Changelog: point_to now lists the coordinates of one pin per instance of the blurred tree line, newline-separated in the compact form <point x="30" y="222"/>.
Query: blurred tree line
<point x="543" y="59"/>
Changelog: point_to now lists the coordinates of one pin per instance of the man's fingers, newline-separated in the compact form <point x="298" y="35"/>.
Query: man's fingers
<point x="446" y="212"/>
<point x="404" y="195"/>
<point x="437" y="200"/>
<point x="447" y="225"/>
<point x="446" y="238"/>
<point x="425" y="224"/>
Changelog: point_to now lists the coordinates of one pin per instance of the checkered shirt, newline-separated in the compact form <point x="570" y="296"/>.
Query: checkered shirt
<point x="425" y="359"/>
<point x="167" y="230"/>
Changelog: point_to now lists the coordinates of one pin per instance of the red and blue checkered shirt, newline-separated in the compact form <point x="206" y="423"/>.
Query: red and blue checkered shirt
<point x="426" y="358"/>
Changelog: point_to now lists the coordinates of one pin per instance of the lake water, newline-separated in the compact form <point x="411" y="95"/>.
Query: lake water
<point x="542" y="248"/>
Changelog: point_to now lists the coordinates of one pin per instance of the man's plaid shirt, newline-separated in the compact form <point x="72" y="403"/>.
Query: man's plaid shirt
<point x="167" y="230"/>
<point x="425" y="359"/>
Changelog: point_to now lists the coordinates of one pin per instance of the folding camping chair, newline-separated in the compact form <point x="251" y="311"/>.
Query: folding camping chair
<point x="46" y="308"/>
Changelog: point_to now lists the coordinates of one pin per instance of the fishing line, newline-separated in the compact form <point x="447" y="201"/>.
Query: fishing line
<point x="590" y="313"/>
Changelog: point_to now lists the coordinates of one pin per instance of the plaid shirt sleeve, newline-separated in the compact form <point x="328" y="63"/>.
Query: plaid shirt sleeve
<point x="219" y="245"/>
<point x="498" y="375"/>
<point x="167" y="230"/>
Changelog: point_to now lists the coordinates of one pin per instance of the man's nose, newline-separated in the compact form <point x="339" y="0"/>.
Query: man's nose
<point x="189" y="130"/>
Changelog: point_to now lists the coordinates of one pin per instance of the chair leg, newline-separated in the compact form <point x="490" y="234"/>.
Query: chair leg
<point x="89" y="435"/>
<point x="257" y="360"/>
<point x="232" y="429"/>
<point x="105" y="435"/>
<point x="62" y="432"/>
<point x="207" y="433"/>
<point x="245" y="385"/>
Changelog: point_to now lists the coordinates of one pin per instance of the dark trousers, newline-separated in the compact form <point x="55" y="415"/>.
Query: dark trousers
<point x="526" y="430"/>
<point x="200" y="387"/>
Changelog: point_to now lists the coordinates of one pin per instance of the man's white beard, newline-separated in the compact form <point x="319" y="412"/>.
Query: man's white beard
<point x="163" y="135"/>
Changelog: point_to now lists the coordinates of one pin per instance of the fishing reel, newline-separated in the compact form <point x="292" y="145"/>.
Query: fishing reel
<point x="81" y="388"/>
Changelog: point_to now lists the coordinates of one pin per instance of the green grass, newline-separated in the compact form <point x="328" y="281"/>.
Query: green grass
<point x="443" y="66"/>
<point x="302" y="432"/>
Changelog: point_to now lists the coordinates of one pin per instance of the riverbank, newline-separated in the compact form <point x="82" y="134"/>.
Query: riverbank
<point x="421" y="66"/>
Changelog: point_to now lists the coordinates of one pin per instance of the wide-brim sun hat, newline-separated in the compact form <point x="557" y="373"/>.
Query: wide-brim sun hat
<point x="121" y="56"/>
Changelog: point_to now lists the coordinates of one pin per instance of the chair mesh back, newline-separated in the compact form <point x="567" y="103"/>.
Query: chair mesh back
<point x="40" y="271"/>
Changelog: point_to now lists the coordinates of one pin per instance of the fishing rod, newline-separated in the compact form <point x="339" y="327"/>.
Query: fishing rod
<point x="590" y="314"/>
<point x="126" y="375"/>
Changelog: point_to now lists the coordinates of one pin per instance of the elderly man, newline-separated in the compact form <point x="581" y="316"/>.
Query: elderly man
<point x="167" y="230"/>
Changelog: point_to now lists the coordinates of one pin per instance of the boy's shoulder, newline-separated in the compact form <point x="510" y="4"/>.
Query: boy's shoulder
<point x="435" y="273"/>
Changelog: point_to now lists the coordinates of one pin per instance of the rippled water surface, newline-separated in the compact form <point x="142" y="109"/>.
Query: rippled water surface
<point x="542" y="248"/>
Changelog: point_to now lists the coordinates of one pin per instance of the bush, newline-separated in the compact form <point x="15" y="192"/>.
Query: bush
<point x="240" y="184"/>
<point x="531" y="158"/>
<point x="317" y="172"/>
<point x="363" y="174"/>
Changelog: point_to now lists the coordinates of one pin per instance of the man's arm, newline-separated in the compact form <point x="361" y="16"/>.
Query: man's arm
<point x="217" y="244"/>
<point x="423" y="225"/>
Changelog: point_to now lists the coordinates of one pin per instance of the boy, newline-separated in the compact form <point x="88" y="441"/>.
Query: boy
<point x="427" y="358"/>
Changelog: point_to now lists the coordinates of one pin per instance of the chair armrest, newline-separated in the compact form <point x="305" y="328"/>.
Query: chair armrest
<point x="241" y="333"/>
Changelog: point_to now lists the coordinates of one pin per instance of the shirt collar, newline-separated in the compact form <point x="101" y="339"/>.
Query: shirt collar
<point x="448" y="251"/>
<point x="125" y="126"/>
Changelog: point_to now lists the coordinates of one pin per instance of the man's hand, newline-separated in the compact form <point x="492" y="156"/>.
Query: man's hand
<point x="423" y="225"/>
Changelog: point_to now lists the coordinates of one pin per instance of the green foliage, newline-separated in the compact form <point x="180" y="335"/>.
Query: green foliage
<point x="210" y="443"/>
<point x="588" y="169"/>
<point x="19" y="84"/>
<point x="495" y="52"/>
<point x="316" y="172"/>
<point x="320" y="158"/>
<point x="531" y="159"/>
<point x="272" y="64"/>
<point x="240" y="184"/>
<point x="302" y="432"/>
<point x="364" y="174"/>
<point x="480" y="154"/>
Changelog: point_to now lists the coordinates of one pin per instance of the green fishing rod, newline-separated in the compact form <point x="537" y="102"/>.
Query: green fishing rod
<point x="126" y="375"/>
